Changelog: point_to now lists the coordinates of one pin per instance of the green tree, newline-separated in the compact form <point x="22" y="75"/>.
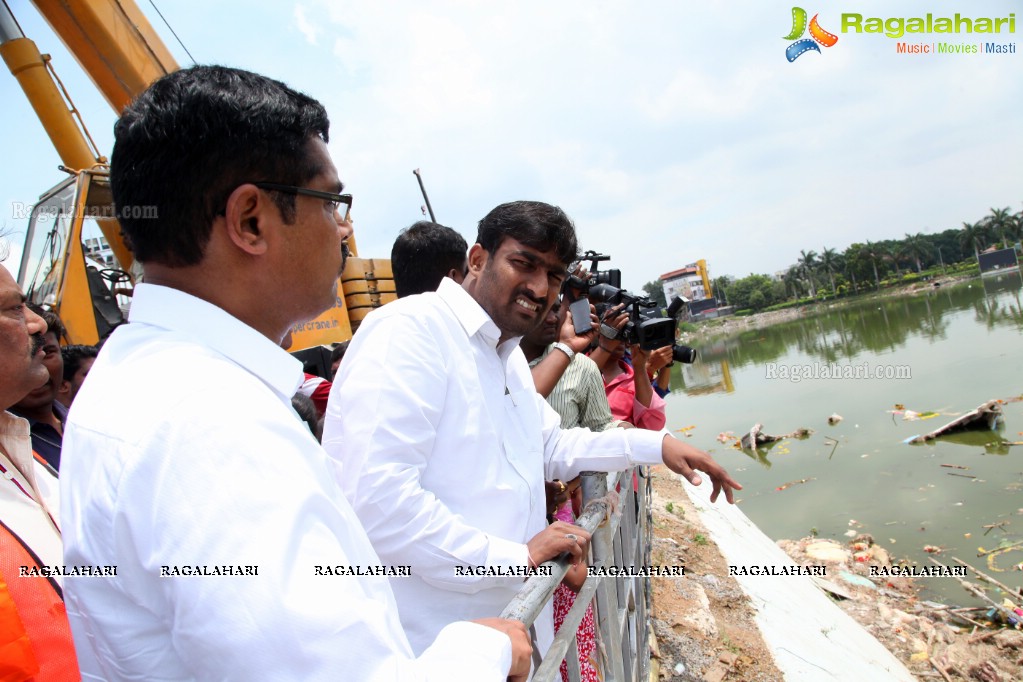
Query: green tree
<point x="757" y="300"/>
<point x="892" y="252"/>
<point x="720" y="286"/>
<point x="915" y="246"/>
<point x="1000" y="224"/>
<point x="807" y="264"/>
<point x="793" y="281"/>
<point x="873" y="252"/>
<point x="740" y="293"/>
<point x="973" y="236"/>
<point x="829" y="262"/>
<point x="655" y="292"/>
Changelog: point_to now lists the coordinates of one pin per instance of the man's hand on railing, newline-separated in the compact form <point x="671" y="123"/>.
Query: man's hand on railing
<point x="522" y="650"/>
<point x="683" y="458"/>
<point x="556" y="539"/>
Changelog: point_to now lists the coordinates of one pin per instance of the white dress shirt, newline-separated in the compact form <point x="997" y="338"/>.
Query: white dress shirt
<point x="442" y="444"/>
<point x="182" y="449"/>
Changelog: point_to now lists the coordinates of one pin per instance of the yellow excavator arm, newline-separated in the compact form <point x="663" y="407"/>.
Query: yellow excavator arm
<point x="63" y="264"/>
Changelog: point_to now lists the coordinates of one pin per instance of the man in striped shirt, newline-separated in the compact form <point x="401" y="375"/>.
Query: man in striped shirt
<point x="569" y="380"/>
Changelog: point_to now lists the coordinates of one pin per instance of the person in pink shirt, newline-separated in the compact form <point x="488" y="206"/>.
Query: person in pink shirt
<point x="630" y="394"/>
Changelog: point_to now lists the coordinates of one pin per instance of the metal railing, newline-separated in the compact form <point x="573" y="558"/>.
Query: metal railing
<point x="620" y="540"/>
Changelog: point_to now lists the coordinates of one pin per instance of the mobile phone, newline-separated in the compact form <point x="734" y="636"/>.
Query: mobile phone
<point x="580" y="309"/>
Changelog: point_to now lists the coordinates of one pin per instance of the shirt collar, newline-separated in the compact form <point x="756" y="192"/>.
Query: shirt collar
<point x="60" y="411"/>
<point x="473" y="318"/>
<point x="217" y="329"/>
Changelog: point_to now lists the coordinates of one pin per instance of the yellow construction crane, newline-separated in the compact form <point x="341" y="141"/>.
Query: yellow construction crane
<point x="75" y="261"/>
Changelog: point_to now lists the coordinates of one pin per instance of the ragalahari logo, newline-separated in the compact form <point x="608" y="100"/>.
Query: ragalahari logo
<point x="818" y="35"/>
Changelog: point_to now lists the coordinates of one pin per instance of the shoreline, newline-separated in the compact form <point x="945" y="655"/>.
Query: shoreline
<point x="706" y="628"/>
<point x="731" y="325"/>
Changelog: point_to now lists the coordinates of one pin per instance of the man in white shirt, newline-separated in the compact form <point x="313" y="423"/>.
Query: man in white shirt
<point x="442" y="443"/>
<point x="184" y="464"/>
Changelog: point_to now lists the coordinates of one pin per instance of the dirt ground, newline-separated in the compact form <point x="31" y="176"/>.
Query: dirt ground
<point x="704" y="623"/>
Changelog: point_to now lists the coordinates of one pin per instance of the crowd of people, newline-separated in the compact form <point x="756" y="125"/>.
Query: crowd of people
<point x="442" y="439"/>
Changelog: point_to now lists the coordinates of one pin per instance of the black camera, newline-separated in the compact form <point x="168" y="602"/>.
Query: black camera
<point x="612" y="277"/>
<point x="680" y="353"/>
<point x="650" y="331"/>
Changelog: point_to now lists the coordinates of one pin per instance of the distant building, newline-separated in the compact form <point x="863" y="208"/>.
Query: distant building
<point x="692" y="283"/>
<point x="689" y="282"/>
<point x="99" y="250"/>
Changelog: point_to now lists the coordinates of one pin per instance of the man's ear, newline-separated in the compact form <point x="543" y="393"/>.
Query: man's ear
<point x="477" y="259"/>
<point x="248" y="214"/>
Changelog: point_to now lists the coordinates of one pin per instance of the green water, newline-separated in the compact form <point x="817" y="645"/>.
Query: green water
<point x="944" y="351"/>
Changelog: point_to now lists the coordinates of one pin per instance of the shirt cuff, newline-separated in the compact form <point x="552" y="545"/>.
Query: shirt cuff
<point x="645" y="446"/>
<point x="483" y="652"/>
<point x="501" y="552"/>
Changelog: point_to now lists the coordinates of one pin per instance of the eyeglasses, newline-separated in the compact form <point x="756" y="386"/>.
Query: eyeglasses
<point x="336" y="199"/>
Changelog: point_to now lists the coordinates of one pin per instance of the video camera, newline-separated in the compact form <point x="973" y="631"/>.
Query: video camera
<point x="651" y="330"/>
<point x="612" y="277"/>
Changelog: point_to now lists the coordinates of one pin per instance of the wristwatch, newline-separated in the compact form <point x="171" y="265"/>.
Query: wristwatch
<point x="564" y="348"/>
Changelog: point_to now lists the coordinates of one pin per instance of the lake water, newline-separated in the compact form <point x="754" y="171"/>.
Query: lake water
<point x="944" y="351"/>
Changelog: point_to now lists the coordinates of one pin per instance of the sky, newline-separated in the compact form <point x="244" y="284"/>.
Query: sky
<point x="668" y="131"/>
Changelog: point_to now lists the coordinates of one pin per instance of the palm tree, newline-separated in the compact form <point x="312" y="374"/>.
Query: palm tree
<point x="915" y="246"/>
<point x="807" y="263"/>
<point x="1013" y="229"/>
<point x="873" y="252"/>
<point x="792" y="281"/>
<point x="850" y="269"/>
<point x="829" y="260"/>
<point x="1000" y="223"/>
<point x="973" y="236"/>
<point x="893" y="253"/>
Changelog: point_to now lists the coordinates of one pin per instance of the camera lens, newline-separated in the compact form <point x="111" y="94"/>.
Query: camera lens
<point x="686" y="354"/>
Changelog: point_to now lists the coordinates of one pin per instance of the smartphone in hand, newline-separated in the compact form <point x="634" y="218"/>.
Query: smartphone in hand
<point x="580" y="309"/>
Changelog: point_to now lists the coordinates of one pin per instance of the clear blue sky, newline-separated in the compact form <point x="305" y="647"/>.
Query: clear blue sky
<point x="670" y="131"/>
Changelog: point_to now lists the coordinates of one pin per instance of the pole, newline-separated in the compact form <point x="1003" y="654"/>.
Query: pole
<point x="423" y="190"/>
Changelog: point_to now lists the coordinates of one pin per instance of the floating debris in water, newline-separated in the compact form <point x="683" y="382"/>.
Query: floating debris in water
<point x="985" y="415"/>
<point x="792" y="483"/>
<point x="834" y="418"/>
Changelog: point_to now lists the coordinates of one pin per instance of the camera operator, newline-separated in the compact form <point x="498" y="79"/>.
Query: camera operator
<point x="630" y="393"/>
<point x="658" y="365"/>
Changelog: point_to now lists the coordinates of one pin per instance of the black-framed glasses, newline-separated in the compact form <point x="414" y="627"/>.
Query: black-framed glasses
<point x="337" y="200"/>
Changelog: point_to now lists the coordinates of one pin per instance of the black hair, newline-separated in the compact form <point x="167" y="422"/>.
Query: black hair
<point x="306" y="409"/>
<point x="536" y="224"/>
<point x="73" y="356"/>
<point x="423" y="254"/>
<point x="183" y="145"/>
<point x="338" y="351"/>
<point x="53" y="323"/>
